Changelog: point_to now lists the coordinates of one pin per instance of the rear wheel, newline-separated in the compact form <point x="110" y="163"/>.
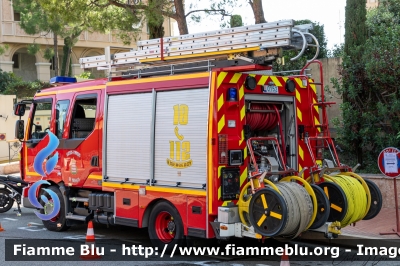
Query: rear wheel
<point x="59" y="222"/>
<point x="165" y="226"/>
<point x="6" y="202"/>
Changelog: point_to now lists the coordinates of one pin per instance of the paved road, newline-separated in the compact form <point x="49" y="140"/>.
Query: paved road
<point x="29" y="228"/>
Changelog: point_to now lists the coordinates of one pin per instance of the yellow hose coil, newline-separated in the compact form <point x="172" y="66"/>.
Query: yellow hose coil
<point x="355" y="195"/>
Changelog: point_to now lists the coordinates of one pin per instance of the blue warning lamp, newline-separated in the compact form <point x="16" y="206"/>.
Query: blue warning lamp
<point x="232" y="94"/>
<point x="62" y="80"/>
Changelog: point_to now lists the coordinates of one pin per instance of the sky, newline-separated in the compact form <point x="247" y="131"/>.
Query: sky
<point x="329" y="13"/>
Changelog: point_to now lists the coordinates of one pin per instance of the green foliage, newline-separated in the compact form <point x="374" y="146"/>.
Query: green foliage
<point x="10" y="84"/>
<point x="33" y="48"/>
<point x="355" y="27"/>
<point x="337" y="51"/>
<point x="319" y="32"/>
<point x="6" y="78"/>
<point x="4" y="48"/>
<point x="85" y="75"/>
<point x="48" y="53"/>
<point x="236" y="21"/>
<point x="368" y="85"/>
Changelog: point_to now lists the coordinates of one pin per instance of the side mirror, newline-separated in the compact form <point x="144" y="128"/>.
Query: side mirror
<point x="19" y="109"/>
<point x="19" y="129"/>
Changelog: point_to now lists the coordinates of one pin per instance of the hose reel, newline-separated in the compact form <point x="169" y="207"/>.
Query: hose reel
<point x="350" y="198"/>
<point x="279" y="209"/>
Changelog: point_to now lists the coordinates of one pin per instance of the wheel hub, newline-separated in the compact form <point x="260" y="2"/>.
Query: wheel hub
<point x="171" y="226"/>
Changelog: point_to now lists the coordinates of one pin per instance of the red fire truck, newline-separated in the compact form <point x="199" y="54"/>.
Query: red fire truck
<point x="196" y="136"/>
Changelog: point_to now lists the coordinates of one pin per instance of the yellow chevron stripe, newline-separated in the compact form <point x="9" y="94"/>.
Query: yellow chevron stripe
<point x="301" y="168"/>
<point x="285" y="79"/>
<point x="301" y="153"/>
<point x="242" y="113"/>
<point x="235" y="78"/>
<point x="221" y="101"/>
<point x="313" y="87"/>
<point x="241" y="137"/>
<point x="299" y="82"/>
<point x="221" y="78"/>
<point x="316" y="121"/>
<point x="241" y="92"/>
<point x="221" y="123"/>
<point x="243" y="176"/>
<point x="219" y="176"/>
<point x="298" y="97"/>
<point x="316" y="106"/>
<point x="245" y="153"/>
<point x="226" y="203"/>
<point x="299" y="114"/>
<point x="276" y="81"/>
<point x="262" y="80"/>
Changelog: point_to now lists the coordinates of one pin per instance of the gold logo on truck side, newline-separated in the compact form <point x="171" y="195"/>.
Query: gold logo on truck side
<point x="179" y="152"/>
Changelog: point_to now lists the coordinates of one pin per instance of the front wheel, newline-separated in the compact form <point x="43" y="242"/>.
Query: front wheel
<point x="165" y="226"/>
<point x="59" y="222"/>
<point x="6" y="202"/>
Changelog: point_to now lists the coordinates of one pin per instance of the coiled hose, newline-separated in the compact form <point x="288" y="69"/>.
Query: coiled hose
<point x="356" y="197"/>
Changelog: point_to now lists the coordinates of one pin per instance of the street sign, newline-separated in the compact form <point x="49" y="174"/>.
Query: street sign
<point x="389" y="162"/>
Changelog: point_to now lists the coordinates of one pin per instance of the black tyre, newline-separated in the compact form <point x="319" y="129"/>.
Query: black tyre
<point x="58" y="223"/>
<point x="6" y="202"/>
<point x="323" y="208"/>
<point x="165" y="227"/>
<point x="376" y="200"/>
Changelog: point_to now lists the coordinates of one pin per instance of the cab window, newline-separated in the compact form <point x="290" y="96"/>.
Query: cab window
<point x="41" y="119"/>
<point x="83" y="117"/>
<point x="61" y="114"/>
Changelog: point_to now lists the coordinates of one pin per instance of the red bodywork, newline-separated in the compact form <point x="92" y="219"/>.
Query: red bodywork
<point x="220" y="111"/>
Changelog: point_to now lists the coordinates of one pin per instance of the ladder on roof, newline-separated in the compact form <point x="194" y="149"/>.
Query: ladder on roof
<point x="269" y="37"/>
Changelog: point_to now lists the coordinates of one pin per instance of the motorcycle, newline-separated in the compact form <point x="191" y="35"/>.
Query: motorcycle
<point x="10" y="192"/>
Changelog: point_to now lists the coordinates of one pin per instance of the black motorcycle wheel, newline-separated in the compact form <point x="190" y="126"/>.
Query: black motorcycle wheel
<point x="6" y="202"/>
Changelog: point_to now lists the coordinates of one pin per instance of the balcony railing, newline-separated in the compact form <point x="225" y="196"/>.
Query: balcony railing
<point x="13" y="29"/>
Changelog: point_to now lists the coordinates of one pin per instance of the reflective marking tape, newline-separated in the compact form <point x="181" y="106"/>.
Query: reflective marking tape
<point x="242" y="113"/>
<point x="221" y="78"/>
<point x="276" y="215"/>
<point x="221" y="123"/>
<point x="298" y="97"/>
<point x="220" y="101"/>
<point x="235" y="78"/>
<point x="301" y="153"/>
<point x="262" y="80"/>
<point x="241" y="92"/>
<point x="335" y="207"/>
<point x="276" y="81"/>
<point x="299" y="114"/>
<point x="326" y="192"/>
<point x="262" y="219"/>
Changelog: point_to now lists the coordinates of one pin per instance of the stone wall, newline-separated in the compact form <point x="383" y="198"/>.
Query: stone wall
<point x="386" y="185"/>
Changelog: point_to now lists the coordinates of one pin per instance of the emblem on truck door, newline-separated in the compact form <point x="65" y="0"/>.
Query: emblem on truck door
<point x="179" y="154"/>
<point x="40" y="158"/>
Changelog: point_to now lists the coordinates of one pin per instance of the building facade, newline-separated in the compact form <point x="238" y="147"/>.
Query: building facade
<point x="31" y="67"/>
<point x="372" y="3"/>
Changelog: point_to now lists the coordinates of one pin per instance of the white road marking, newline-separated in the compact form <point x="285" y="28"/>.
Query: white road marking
<point x="31" y="228"/>
<point x="11" y="219"/>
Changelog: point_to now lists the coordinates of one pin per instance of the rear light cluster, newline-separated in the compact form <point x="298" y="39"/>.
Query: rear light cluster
<point x="223" y="148"/>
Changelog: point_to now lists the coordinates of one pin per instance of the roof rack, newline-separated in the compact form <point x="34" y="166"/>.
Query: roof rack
<point x="260" y="40"/>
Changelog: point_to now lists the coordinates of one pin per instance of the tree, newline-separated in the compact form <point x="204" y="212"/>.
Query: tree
<point x="370" y="70"/>
<point x="256" y="6"/>
<point x="34" y="21"/>
<point x="174" y="9"/>
<point x="319" y="32"/>
<point x="354" y="83"/>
